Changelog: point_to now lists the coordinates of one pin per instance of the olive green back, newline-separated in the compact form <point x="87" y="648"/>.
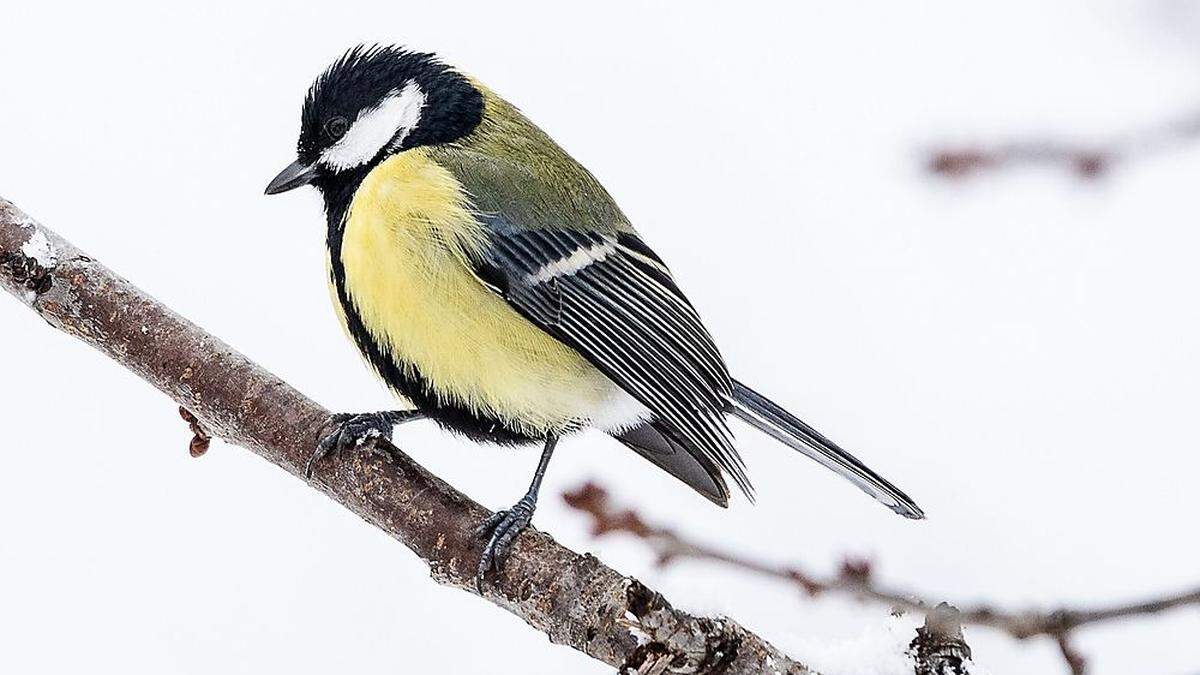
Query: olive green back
<point x="512" y="169"/>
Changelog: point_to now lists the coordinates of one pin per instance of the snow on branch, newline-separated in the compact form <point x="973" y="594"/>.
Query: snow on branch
<point x="855" y="579"/>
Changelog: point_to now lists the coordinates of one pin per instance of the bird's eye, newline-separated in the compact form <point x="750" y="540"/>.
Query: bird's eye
<point x="336" y="127"/>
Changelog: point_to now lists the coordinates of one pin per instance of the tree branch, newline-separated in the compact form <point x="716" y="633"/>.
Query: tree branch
<point x="574" y="599"/>
<point x="855" y="579"/>
<point x="1087" y="160"/>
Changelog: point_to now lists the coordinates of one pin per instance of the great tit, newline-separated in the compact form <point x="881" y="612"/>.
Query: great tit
<point x="491" y="281"/>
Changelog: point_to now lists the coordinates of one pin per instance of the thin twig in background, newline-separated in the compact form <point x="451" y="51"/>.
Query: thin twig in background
<point x="1087" y="160"/>
<point x="855" y="578"/>
<point x="1075" y="661"/>
<point x="575" y="599"/>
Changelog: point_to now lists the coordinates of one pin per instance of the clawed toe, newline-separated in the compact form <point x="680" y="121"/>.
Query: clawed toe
<point x="501" y="530"/>
<point x="485" y="529"/>
<point x="351" y="432"/>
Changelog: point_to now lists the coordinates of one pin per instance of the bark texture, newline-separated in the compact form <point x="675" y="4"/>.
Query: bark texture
<point x="574" y="599"/>
<point x="939" y="648"/>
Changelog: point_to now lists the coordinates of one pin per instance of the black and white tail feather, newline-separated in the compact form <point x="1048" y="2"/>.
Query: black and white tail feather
<point x="763" y="414"/>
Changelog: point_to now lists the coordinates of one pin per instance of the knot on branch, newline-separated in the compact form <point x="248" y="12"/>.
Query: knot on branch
<point x="27" y="254"/>
<point x="939" y="648"/>
<point x="668" y="645"/>
<point x="26" y="272"/>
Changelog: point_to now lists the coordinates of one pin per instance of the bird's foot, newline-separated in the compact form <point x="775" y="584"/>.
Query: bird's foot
<point x="358" y="432"/>
<point x="501" y="530"/>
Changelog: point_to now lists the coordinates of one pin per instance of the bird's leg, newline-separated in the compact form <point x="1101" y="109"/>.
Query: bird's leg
<point x="353" y="431"/>
<point x="502" y="528"/>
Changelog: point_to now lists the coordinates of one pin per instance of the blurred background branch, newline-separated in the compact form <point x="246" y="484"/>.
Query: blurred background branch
<point x="1087" y="160"/>
<point x="855" y="578"/>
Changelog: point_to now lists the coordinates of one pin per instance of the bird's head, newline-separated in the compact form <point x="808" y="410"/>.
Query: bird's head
<point x="370" y="104"/>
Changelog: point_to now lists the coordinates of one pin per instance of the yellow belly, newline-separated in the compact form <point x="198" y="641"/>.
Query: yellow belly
<point x="405" y="248"/>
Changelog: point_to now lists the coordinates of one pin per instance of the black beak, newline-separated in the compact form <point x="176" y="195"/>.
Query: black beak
<point x="295" y="175"/>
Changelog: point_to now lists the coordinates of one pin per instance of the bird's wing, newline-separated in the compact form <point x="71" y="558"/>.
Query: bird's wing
<point x="660" y="447"/>
<point x="607" y="295"/>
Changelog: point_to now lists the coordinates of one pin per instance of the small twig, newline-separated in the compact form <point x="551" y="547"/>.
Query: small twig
<point x="1074" y="659"/>
<point x="854" y="577"/>
<point x="1088" y="161"/>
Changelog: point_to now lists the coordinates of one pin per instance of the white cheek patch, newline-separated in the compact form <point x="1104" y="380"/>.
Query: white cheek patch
<point x="375" y="128"/>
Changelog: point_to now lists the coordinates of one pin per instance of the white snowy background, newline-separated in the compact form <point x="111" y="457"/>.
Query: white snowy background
<point x="1018" y="352"/>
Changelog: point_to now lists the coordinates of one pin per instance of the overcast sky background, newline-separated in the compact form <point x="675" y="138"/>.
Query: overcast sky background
<point x="1018" y="353"/>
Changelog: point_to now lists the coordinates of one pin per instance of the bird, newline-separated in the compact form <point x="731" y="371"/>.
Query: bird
<point x="495" y="285"/>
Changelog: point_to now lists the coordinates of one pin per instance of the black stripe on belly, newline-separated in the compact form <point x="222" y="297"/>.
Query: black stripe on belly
<point x="407" y="382"/>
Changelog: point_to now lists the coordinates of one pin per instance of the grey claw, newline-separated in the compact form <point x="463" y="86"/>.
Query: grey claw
<point x="502" y="529"/>
<point x="484" y="529"/>
<point x="350" y="432"/>
<point x="326" y="445"/>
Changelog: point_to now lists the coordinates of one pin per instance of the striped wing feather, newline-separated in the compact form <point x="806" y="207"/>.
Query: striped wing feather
<point x="610" y="298"/>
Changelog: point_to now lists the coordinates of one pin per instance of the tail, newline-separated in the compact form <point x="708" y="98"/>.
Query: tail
<point x="764" y="415"/>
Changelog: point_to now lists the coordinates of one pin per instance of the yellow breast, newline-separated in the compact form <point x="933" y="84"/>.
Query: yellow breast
<point x="408" y="237"/>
